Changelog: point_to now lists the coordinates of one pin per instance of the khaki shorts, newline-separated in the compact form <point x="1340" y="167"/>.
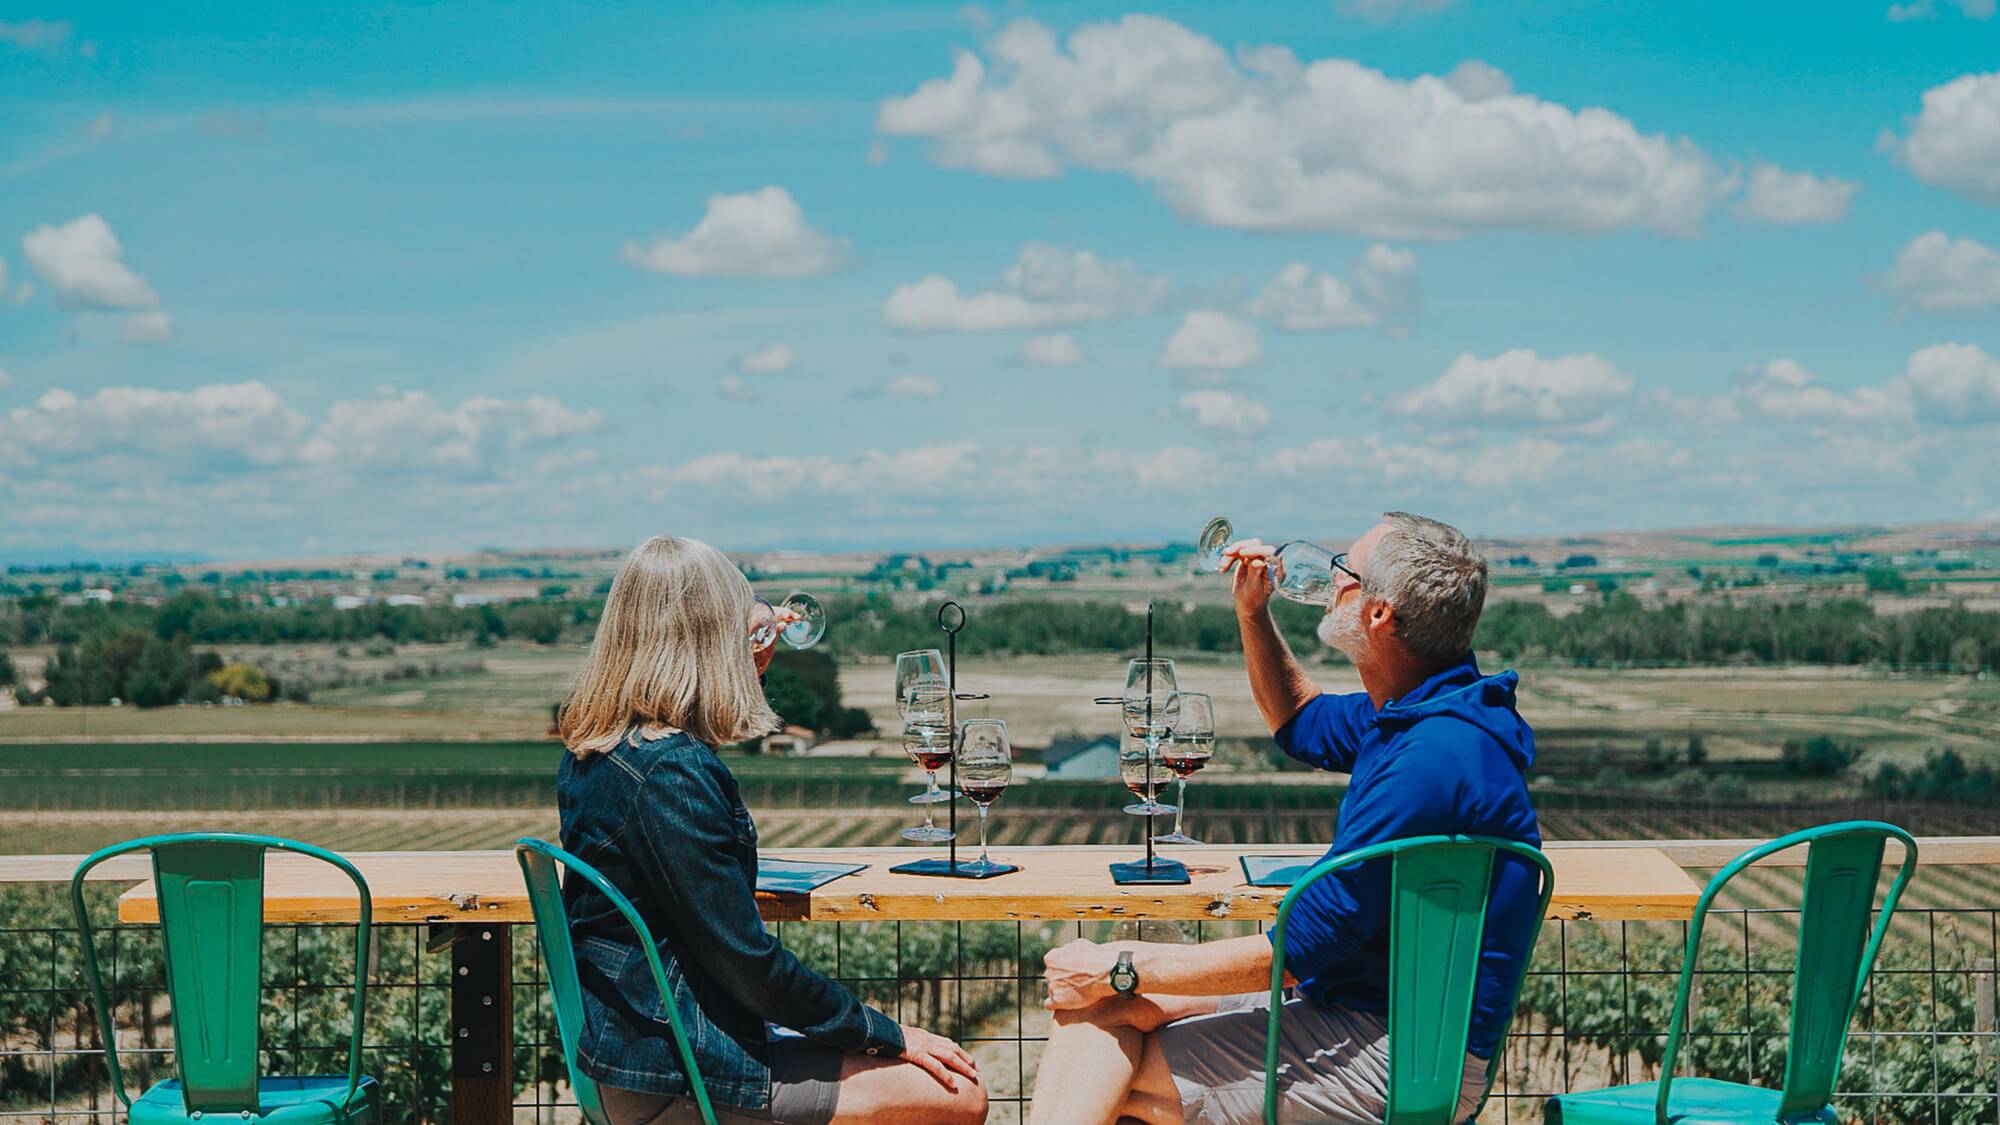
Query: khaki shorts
<point x="805" y="1090"/>
<point x="1333" y="1064"/>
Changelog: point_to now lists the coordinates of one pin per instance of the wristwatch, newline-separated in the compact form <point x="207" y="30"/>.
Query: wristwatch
<point x="1124" y="978"/>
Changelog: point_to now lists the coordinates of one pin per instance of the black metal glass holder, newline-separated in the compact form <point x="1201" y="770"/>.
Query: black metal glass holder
<point x="1153" y="870"/>
<point x="950" y="867"/>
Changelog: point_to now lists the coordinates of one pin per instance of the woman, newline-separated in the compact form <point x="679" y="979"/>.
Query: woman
<point x="646" y="801"/>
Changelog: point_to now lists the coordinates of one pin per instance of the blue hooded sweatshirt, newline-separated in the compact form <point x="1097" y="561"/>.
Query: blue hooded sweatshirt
<point x="1446" y="758"/>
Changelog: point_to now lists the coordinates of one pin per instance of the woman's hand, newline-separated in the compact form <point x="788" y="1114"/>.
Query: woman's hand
<point x="939" y="1057"/>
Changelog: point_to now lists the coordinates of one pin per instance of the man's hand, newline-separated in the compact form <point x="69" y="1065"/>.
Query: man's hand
<point x="1251" y="560"/>
<point x="939" y="1057"/>
<point x="1078" y="974"/>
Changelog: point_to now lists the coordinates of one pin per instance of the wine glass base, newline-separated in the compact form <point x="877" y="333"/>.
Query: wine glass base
<point x="1151" y="808"/>
<point x="1175" y="838"/>
<point x="938" y="797"/>
<point x="927" y="834"/>
<point x="966" y="869"/>
<point x="1141" y="873"/>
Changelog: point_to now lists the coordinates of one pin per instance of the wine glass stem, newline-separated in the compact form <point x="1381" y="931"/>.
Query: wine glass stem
<point x="983" y="861"/>
<point x="930" y="821"/>
<point x="1180" y="805"/>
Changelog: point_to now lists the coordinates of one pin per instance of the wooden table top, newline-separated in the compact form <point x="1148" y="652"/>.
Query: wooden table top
<point x="1055" y="883"/>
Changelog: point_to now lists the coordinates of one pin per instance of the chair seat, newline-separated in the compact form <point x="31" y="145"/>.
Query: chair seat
<point x="1692" y="1101"/>
<point x="311" y="1100"/>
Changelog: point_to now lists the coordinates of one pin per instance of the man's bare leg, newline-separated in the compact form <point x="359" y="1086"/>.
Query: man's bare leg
<point x="1154" y="1099"/>
<point x="1094" y="1055"/>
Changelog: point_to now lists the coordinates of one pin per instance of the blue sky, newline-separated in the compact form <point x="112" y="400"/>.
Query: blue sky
<point x="284" y="280"/>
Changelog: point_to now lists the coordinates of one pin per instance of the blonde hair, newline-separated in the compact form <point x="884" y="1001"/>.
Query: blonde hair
<point x="672" y="653"/>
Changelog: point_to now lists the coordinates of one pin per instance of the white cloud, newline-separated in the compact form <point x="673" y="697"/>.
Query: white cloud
<point x="754" y="234"/>
<point x="35" y="35"/>
<point x="1778" y="196"/>
<point x="1927" y="10"/>
<point x="1213" y="341"/>
<point x="83" y="260"/>
<point x="926" y="469"/>
<point x="1059" y="350"/>
<point x="152" y="327"/>
<point x="772" y="360"/>
<point x="1263" y="141"/>
<point x="1046" y="286"/>
<point x="1784" y="391"/>
<point x="216" y="426"/>
<point x="901" y="386"/>
<point x="1384" y="464"/>
<point x="1941" y="274"/>
<point x="1382" y="288"/>
<point x="736" y="387"/>
<point x="409" y="430"/>
<point x="1226" y="412"/>
<point x="1520" y="387"/>
<point x="6" y="380"/>
<point x="1955" y="383"/>
<point x="101" y="126"/>
<point x="1954" y="141"/>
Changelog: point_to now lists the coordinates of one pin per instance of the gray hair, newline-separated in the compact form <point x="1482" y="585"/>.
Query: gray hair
<point x="1436" y="580"/>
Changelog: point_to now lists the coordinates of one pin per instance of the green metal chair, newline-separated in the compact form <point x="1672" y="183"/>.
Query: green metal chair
<point x="1437" y="917"/>
<point x="538" y="859"/>
<point x="1843" y="864"/>
<point x="211" y="896"/>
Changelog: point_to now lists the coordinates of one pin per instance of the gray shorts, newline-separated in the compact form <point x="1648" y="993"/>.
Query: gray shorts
<point x="805" y="1090"/>
<point x="1333" y="1064"/>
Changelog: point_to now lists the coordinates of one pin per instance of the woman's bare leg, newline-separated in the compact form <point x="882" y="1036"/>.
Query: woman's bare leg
<point x="894" y="1092"/>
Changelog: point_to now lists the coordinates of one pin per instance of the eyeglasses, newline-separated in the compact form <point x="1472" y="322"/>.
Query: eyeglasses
<point x="1339" y="563"/>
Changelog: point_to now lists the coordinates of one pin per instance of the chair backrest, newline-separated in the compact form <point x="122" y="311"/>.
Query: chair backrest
<point x="210" y="889"/>
<point x="538" y="859"/>
<point x="1837" y="949"/>
<point x="1437" y="920"/>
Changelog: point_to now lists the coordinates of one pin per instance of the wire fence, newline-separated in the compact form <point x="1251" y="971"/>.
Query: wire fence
<point x="1594" y="1009"/>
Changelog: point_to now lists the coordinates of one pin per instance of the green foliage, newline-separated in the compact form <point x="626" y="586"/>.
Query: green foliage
<point x="1885" y="580"/>
<point x="875" y="625"/>
<point x="1819" y="756"/>
<point x="1625" y="631"/>
<point x="8" y="677"/>
<point x="1944" y="776"/>
<point x="804" y="689"/>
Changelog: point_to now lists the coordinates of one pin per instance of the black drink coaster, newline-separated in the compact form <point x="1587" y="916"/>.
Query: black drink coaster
<point x="1144" y="872"/>
<point x="968" y="869"/>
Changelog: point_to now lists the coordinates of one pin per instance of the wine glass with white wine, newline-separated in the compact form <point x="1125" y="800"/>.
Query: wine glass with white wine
<point x="1301" y="571"/>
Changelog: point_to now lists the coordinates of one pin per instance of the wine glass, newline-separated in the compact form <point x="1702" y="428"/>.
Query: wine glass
<point x="985" y="766"/>
<point x="1186" y="750"/>
<point x="918" y="664"/>
<point x="1142" y="774"/>
<point x="1149" y="706"/>
<point x="799" y="620"/>
<point x="927" y="740"/>
<point x="1302" y="572"/>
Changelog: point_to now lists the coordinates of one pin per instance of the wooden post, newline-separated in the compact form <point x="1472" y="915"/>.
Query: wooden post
<point x="482" y="1024"/>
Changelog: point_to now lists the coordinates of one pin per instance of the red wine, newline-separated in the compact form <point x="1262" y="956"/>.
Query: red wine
<point x="983" y="792"/>
<point x="932" y="759"/>
<point x="1184" y="765"/>
<point x="1139" y="788"/>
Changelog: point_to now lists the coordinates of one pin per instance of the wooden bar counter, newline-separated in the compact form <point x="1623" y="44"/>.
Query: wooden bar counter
<point x="1055" y="883"/>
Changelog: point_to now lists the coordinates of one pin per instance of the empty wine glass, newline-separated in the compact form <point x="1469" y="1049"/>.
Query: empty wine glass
<point x="799" y="620"/>
<point x="1187" y="749"/>
<point x="1142" y="773"/>
<point x="985" y="767"/>
<point x="1150" y="706"/>
<point x="1301" y="571"/>
<point x="918" y="664"/>
<point x="926" y="710"/>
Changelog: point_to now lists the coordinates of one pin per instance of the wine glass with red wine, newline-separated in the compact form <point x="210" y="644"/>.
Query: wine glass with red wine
<point x="985" y="767"/>
<point x="923" y="695"/>
<point x="1186" y="750"/>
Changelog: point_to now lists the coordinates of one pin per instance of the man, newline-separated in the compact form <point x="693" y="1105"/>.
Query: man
<point x="1176" y="1032"/>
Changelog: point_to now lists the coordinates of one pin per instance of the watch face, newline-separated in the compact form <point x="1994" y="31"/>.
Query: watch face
<point x="1123" y="977"/>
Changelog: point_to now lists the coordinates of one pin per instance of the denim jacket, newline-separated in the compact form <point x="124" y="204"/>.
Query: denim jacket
<point x="663" y="821"/>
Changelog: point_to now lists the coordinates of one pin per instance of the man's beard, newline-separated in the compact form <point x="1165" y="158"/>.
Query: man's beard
<point x="1341" y="629"/>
